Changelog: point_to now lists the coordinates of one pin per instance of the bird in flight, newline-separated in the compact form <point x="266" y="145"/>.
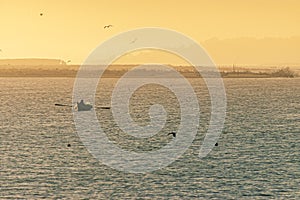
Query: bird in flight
<point x="68" y="61"/>
<point x="133" y="41"/>
<point x="107" y="26"/>
<point x="172" y="133"/>
<point x="41" y="14"/>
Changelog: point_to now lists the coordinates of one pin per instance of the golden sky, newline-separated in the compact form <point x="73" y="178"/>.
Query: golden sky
<point x="241" y="31"/>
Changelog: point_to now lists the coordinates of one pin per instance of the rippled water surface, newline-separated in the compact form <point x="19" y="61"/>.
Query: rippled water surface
<point x="257" y="155"/>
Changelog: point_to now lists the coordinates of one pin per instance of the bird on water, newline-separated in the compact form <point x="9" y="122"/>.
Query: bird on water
<point x="172" y="133"/>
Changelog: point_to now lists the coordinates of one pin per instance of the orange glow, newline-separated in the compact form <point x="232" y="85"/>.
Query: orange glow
<point x="70" y="30"/>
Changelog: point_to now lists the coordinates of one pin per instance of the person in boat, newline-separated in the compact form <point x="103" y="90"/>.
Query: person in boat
<point x="81" y="106"/>
<point x="81" y="102"/>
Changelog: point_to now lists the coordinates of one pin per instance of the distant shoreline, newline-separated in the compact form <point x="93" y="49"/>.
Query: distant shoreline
<point x="38" y="74"/>
<point x="117" y="71"/>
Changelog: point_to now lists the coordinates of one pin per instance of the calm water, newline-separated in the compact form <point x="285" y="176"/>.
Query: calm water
<point x="257" y="157"/>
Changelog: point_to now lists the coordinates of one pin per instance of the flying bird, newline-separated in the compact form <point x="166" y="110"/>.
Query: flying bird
<point x="172" y="133"/>
<point x="41" y="14"/>
<point x="107" y="26"/>
<point x="68" y="61"/>
<point x="133" y="41"/>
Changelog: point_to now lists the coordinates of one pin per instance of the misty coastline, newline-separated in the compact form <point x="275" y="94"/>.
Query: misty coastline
<point x="117" y="71"/>
<point x="33" y="67"/>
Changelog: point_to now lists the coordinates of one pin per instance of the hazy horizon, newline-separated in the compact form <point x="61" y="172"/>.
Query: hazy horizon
<point x="49" y="62"/>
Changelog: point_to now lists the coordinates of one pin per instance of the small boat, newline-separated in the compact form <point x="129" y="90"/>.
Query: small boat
<point x="81" y="106"/>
